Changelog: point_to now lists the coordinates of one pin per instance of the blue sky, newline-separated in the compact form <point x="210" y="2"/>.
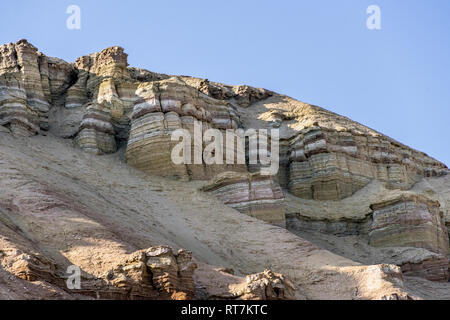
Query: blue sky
<point x="395" y="80"/>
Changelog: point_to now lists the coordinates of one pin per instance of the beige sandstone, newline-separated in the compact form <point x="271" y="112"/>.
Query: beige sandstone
<point x="253" y="194"/>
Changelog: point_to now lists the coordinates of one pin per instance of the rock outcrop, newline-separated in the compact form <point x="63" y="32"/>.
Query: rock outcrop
<point x="409" y="221"/>
<point x="266" y="285"/>
<point x="27" y="266"/>
<point x="338" y="180"/>
<point x="169" y="105"/>
<point x="319" y="161"/>
<point x="29" y="84"/>
<point x="154" y="273"/>
<point x="331" y="165"/>
<point x="104" y="85"/>
<point x="250" y="193"/>
<point x="96" y="133"/>
<point x="379" y="224"/>
<point x="433" y="267"/>
<point x="218" y="283"/>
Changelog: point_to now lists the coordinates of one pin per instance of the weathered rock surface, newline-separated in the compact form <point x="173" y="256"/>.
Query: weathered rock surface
<point x="347" y="188"/>
<point x="265" y="286"/>
<point x="409" y="221"/>
<point x="331" y="165"/>
<point x="433" y="268"/>
<point x="30" y="84"/>
<point x="242" y="96"/>
<point x="325" y="156"/>
<point x="96" y="133"/>
<point x="216" y="283"/>
<point x="339" y="227"/>
<point x="169" y="105"/>
<point x="92" y="211"/>
<point x="253" y="194"/>
<point x="24" y="96"/>
<point x="377" y="225"/>
<point x="154" y="273"/>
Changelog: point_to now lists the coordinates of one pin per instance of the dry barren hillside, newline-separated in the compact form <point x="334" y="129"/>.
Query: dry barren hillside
<point x="86" y="180"/>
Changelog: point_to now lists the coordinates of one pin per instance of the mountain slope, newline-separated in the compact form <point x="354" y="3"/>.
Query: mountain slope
<point x="86" y="180"/>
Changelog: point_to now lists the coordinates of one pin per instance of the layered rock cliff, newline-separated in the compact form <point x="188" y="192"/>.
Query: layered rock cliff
<point x="253" y="194"/>
<point x="339" y="182"/>
<point x="30" y="83"/>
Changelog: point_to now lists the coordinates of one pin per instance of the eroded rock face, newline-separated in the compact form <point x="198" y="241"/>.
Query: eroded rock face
<point x="27" y="266"/>
<point x="332" y="165"/>
<point x="341" y="227"/>
<point x="241" y="95"/>
<point x="105" y="105"/>
<point x="164" y="107"/>
<point x="250" y="193"/>
<point x="409" y="221"/>
<point x="28" y="80"/>
<point x="433" y="268"/>
<point x="96" y="133"/>
<point x="105" y="91"/>
<point x="214" y="283"/>
<point x="154" y="273"/>
<point x="318" y="161"/>
<point x="266" y="285"/>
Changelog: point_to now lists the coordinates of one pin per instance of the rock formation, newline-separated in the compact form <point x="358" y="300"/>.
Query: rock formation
<point x="332" y="165"/>
<point x="218" y="283"/>
<point x="96" y="133"/>
<point x="164" y="107"/>
<point x="383" y="207"/>
<point x="29" y="83"/>
<point x="154" y="273"/>
<point x="253" y="194"/>
<point x="434" y="267"/>
<point x="409" y="221"/>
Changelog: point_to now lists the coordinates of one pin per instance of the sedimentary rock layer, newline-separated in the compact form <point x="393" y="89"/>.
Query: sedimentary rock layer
<point x="433" y="268"/>
<point x="96" y="133"/>
<point x="103" y="105"/>
<point x="22" y="101"/>
<point x="30" y="83"/>
<point x="92" y="211"/>
<point x="169" y="105"/>
<point x="409" y="221"/>
<point x="331" y="165"/>
<point x="154" y="273"/>
<point x="340" y="227"/>
<point x="219" y="283"/>
<point x="250" y="193"/>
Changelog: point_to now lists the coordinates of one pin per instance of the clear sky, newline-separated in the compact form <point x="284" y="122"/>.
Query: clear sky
<point x="395" y="80"/>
